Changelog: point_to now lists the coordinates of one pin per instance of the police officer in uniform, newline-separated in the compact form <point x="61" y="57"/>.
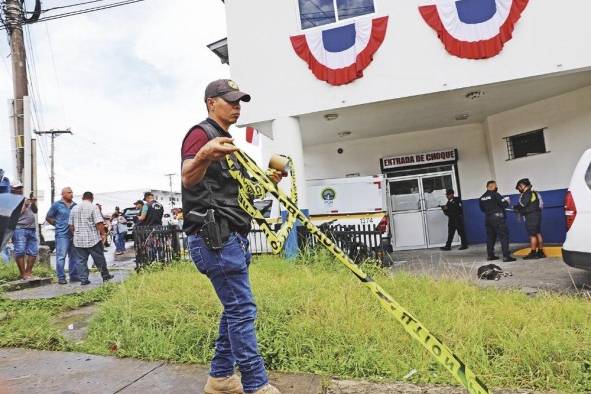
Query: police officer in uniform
<point x="455" y="213"/>
<point x="152" y="211"/>
<point x="530" y="207"/>
<point x="493" y="205"/>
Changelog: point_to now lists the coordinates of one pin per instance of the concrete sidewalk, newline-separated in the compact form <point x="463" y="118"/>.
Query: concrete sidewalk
<point x="120" y="268"/>
<point x="32" y="371"/>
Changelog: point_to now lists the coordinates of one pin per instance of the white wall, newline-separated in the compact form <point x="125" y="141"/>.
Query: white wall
<point x="364" y="155"/>
<point x="552" y="36"/>
<point x="568" y="118"/>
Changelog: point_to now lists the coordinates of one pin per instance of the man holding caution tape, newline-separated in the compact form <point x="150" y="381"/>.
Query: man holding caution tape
<point x="217" y="229"/>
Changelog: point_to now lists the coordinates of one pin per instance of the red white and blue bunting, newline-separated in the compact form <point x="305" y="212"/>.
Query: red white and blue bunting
<point x="339" y="55"/>
<point x="474" y="29"/>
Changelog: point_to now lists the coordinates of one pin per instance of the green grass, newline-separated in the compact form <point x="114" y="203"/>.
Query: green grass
<point x="316" y="317"/>
<point x="10" y="272"/>
<point x="29" y="324"/>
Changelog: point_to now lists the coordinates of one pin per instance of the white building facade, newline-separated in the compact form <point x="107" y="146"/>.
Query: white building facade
<point x="432" y="94"/>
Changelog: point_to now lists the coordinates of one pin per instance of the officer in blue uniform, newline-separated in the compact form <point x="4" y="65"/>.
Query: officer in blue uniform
<point x="530" y="207"/>
<point x="455" y="213"/>
<point x="493" y="205"/>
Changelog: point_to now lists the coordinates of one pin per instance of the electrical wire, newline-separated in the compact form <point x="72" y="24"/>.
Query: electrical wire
<point x="84" y="11"/>
<point x="36" y="101"/>
<point x="89" y="10"/>
<point x="67" y="6"/>
<point x="57" y="80"/>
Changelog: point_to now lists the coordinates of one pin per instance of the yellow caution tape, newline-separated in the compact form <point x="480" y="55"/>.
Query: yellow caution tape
<point x="258" y="184"/>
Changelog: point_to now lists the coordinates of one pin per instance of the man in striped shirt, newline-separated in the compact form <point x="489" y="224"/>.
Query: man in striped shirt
<point x="87" y="225"/>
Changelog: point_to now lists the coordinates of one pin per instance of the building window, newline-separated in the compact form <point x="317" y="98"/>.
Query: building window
<point x="526" y="144"/>
<point x="322" y="12"/>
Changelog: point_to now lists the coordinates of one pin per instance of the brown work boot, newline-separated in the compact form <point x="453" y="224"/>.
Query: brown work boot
<point x="224" y="385"/>
<point x="268" y="389"/>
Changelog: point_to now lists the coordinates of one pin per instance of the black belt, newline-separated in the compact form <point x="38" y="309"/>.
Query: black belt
<point x="496" y="214"/>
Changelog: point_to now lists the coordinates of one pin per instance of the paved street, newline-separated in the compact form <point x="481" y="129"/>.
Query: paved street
<point x="529" y="275"/>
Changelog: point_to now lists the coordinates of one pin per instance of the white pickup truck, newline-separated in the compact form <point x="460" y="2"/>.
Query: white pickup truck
<point x="576" y="250"/>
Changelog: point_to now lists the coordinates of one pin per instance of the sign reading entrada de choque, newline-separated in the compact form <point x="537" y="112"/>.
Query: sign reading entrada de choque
<point x="417" y="159"/>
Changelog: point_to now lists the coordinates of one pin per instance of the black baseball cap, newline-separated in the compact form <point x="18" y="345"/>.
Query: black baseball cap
<point x="226" y="89"/>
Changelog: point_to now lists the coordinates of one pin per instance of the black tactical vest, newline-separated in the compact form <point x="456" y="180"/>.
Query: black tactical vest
<point x="154" y="217"/>
<point x="217" y="190"/>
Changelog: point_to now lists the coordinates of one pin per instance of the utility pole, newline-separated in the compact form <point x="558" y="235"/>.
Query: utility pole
<point x="170" y="182"/>
<point x="54" y="134"/>
<point x="14" y="15"/>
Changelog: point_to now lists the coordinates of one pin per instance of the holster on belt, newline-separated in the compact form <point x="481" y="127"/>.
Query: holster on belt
<point x="214" y="232"/>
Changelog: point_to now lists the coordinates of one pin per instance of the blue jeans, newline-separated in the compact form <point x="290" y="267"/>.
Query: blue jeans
<point x="227" y="270"/>
<point x="25" y="242"/>
<point x="98" y="255"/>
<point x="120" y="242"/>
<point x="65" y="247"/>
<point x="5" y="254"/>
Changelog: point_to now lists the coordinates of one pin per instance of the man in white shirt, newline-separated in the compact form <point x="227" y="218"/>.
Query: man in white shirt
<point x="88" y="226"/>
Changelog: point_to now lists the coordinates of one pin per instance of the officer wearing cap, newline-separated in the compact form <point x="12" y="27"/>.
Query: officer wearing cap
<point x="217" y="230"/>
<point x="530" y="207"/>
<point x="493" y="205"/>
<point x="455" y="213"/>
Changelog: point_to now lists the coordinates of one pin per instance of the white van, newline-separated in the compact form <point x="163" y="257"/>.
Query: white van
<point x="576" y="250"/>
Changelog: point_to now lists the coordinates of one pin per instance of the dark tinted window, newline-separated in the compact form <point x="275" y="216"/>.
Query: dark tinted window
<point x="352" y="8"/>
<point x="588" y="176"/>
<point x="526" y="144"/>
<point x="316" y="12"/>
<point x="322" y="12"/>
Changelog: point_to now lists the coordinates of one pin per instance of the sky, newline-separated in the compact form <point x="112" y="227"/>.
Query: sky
<point x="128" y="82"/>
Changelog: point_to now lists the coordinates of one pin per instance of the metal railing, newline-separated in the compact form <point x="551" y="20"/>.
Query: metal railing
<point x="168" y="243"/>
<point x="359" y="241"/>
<point x="156" y="243"/>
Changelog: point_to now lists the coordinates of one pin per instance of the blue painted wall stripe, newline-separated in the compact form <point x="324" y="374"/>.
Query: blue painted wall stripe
<point x="553" y="221"/>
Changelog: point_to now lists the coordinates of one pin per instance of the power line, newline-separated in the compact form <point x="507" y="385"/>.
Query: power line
<point x="68" y="6"/>
<point x="34" y="78"/>
<point x="36" y="101"/>
<point x="83" y="11"/>
<point x="58" y="84"/>
<point x="89" y="10"/>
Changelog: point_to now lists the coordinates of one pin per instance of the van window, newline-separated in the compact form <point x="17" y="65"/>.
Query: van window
<point x="588" y="177"/>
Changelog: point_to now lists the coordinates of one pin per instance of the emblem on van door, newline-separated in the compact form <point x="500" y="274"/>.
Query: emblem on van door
<point x="474" y="29"/>
<point x="328" y="194"/>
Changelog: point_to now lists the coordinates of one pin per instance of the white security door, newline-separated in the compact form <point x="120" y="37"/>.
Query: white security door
<point x="433" y="188"/>
<point x="408" y="230"/>
<point x="416" y="218"/>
